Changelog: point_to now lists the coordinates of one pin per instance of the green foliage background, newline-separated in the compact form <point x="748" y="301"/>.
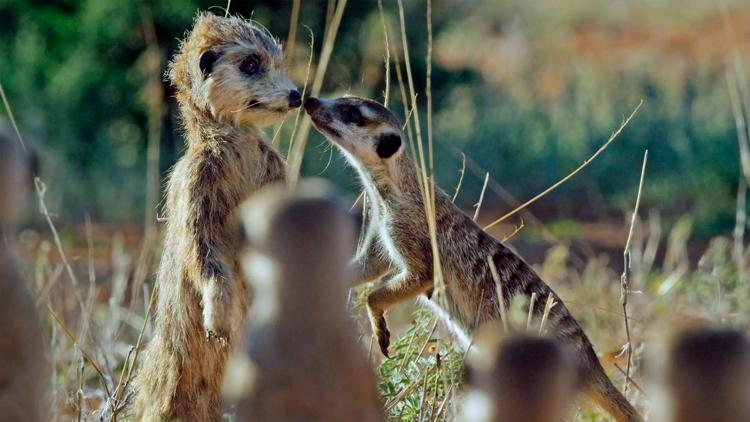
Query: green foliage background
<point x="75" y="71"/>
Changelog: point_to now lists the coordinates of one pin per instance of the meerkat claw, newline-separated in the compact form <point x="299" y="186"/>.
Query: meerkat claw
<point x="384" y="342"/>
<point x="384" y="338"/>
<point x="222" y="339"/>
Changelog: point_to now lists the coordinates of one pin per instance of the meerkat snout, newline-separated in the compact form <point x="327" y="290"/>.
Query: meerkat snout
<point x="295" y="99"/>
<point x="311" y="104"/>
<point x="363" y="128"/>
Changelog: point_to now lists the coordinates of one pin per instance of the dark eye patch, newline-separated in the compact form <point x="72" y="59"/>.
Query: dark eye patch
<point x="206" y="61"/>
<point x="387" y="145"/>
<point x="351" y="115"/>
<point x="250" y="65"/>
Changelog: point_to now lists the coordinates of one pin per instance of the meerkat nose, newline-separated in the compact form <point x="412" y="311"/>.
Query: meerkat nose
<point x="295" y="99"/>
<point x="312" y="104"/>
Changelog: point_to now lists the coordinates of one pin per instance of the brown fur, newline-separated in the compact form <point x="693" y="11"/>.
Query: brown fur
<point x="202" y="298"/>
<point x="23" y="365"/>
<point x="366" y="132"/>
<point x="302" y="342"/>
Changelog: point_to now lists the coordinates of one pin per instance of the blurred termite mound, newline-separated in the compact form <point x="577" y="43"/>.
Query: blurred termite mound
<point x="304" y="358"/>
<point x="703" y="374"/>
<point x="520" y="378"/>
<point x="23" y="363"/>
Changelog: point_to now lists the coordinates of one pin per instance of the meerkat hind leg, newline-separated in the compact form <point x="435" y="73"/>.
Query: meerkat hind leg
<point x="398" y="289"/>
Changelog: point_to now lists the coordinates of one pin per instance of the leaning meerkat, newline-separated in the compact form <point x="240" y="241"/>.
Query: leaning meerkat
<point x="297" y="262"/>
<point x="370" y="137"/>
<point x="23" y="366"/>
<point x="230" y="82"/>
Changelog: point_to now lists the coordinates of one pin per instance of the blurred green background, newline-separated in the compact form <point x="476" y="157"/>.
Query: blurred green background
<point x="526" y="89"/>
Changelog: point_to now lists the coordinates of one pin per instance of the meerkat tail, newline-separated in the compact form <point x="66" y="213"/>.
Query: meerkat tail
<point x="599" y="388"/>
<point x="596" y="386"/>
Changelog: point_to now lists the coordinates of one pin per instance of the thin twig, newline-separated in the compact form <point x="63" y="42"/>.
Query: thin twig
<point x="121" y="388"/>
<point x="738" y="250"/>
<point x="551" y="302"/>
<point x="297" y="153"/>
<point x="531" y="310"/>
<point x="427" y="186"/>
<point x="291" y="38"/>
<point x="573" y="173"/>
<point x="515" y="231"/>
<point x="41" y="189"/>
<point x="461" y="176"/>
<point x="408" y="389"/>
<point x="481" y="196"/>
<point x="304" y="91"/>
<point x="387" y="91"/>
<point x="624" y="287"/>
<point x="10" y="116"/>
<point x="79" y="393"/>
<point x="632" y="381"/>
<point x="500" y="296"/>
<point x="86" y="356"/>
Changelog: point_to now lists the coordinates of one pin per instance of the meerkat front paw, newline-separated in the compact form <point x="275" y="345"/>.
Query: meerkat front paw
<point x="383" y="335"/>
<point x="216" y="311"/>
<point x="221" y="338"/>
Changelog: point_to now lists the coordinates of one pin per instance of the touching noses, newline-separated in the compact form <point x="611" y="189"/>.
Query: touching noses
<point x="295" y="99"/>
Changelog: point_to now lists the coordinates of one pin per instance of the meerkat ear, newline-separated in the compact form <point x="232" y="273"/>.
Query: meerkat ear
<point x="206" y="62"/>
<point x="387" y="145"/>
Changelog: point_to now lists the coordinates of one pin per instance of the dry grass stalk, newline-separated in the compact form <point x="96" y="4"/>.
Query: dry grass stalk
<point x="387" y="64"/>
<point x="84" y="354"/>
<point x="573" y="173"/>
<point x="427" y="186"/>
<point x="297" y="149"/>
<point x="532" y="301"/>
<point x="41" y="189"/>
<point x="408" y="389"/>
<point x="500" y="296"/>
<point x="460" y="177"/>
<point x="515" y="231"/>
<point x="551" y="302"/>
<point x="291" y="38"/>
<point x="740" y="123"/>
<point x="478" y="205"/>
<point x="304" y="91"/>
<point x="10" y="116"/>
<point x="738" y="249"/>
<point x="624" y="286"/>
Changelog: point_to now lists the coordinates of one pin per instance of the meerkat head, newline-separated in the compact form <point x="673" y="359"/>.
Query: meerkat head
<point x="365" y="131"/>
<point x="235" y="71"/>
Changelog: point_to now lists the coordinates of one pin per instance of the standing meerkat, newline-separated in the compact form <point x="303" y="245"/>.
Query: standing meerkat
<point x="230" y="82"/>
<point x="23" y="365"/>
<point x="370" y="137"/>
<point x="296" y="260"/>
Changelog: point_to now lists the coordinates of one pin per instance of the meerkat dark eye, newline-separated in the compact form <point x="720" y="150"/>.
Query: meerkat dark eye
<point x="250" y="65"/>
<point x="387" y="145"/>
<point x="351" y="114"/>
<point x="206" y="62"/>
